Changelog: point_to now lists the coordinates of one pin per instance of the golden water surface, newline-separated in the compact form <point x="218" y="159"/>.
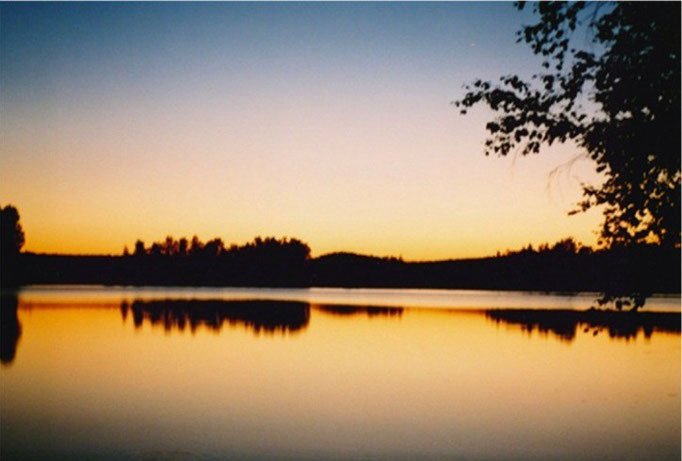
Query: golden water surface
<point x="150" y="374"/>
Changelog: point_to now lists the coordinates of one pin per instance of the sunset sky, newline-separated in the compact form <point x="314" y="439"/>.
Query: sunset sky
<point x="331" y="123"/>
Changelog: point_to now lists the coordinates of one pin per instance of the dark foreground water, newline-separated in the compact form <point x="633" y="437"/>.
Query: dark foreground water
<point x="112" y="373"/>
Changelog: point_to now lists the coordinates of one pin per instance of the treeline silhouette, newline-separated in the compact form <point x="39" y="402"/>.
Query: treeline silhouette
<point x="264" y="262"/>
<point x="565" y="323"/>
<point x="271" y="262"/>
<point x="564" y="266"/>
<point x="635" y="271"/>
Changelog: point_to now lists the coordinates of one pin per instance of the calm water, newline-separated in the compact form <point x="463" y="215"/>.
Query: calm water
<point x="118" y="373"/>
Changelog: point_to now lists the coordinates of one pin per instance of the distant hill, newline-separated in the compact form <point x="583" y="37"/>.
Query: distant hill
<point x="544" y="271"/>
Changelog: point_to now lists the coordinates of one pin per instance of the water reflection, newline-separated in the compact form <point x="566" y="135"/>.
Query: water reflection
<point x="11" y="328"/>
<point x="564" y="323"/>
<point x="258" y="315"/>
<point x="269" y="317"/>
<point x="99" y="379"/>
<point x="369" y="311"/>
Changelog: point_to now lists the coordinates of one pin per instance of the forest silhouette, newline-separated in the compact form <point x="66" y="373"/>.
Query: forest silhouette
<point x="565" y="266"/>
<point x="270" y="262"/>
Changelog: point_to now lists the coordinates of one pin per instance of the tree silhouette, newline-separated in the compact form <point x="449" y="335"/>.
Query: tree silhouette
<point x="183" y="246"/>
<point x="12" y="233"/>
<point x="11" y="241"/>
<point x="139" y="248"/>
<point x="619" y="101"/>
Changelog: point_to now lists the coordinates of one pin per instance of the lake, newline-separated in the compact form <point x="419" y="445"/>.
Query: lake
<point x="215" y="373"/>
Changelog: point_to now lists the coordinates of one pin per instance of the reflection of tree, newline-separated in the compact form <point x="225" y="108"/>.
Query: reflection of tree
<point x="369" y="311"/>
<point x="267" y="316"/>
<point x="564" y="323"/>
<point x="11" y="329"/>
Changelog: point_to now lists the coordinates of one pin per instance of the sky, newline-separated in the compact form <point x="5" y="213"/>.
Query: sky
<point x="328" y="122"/>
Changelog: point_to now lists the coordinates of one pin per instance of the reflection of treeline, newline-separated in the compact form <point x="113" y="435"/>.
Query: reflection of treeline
<point x="266" y="316"/>
<point x="564" y="266"/>
<point x="564" y="323"/>
<point x="9" y="326"/>
<point x="369" y="311"/>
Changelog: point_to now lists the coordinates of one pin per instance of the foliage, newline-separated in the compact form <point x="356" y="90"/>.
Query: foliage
<point x="12" y="238"/>
<point x="618" y="101"/>
<point x="269" y="248"/>
<point x="11" y="241"/>
<point x="565" y="246"/>
<point x="621" y="106"/>
<point x="262" y="262"/>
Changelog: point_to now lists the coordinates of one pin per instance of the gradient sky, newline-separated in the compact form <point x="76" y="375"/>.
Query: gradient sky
<point x="327" y="122"/>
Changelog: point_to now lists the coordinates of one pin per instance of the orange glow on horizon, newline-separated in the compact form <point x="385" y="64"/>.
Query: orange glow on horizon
<point x="511" y="203"/>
